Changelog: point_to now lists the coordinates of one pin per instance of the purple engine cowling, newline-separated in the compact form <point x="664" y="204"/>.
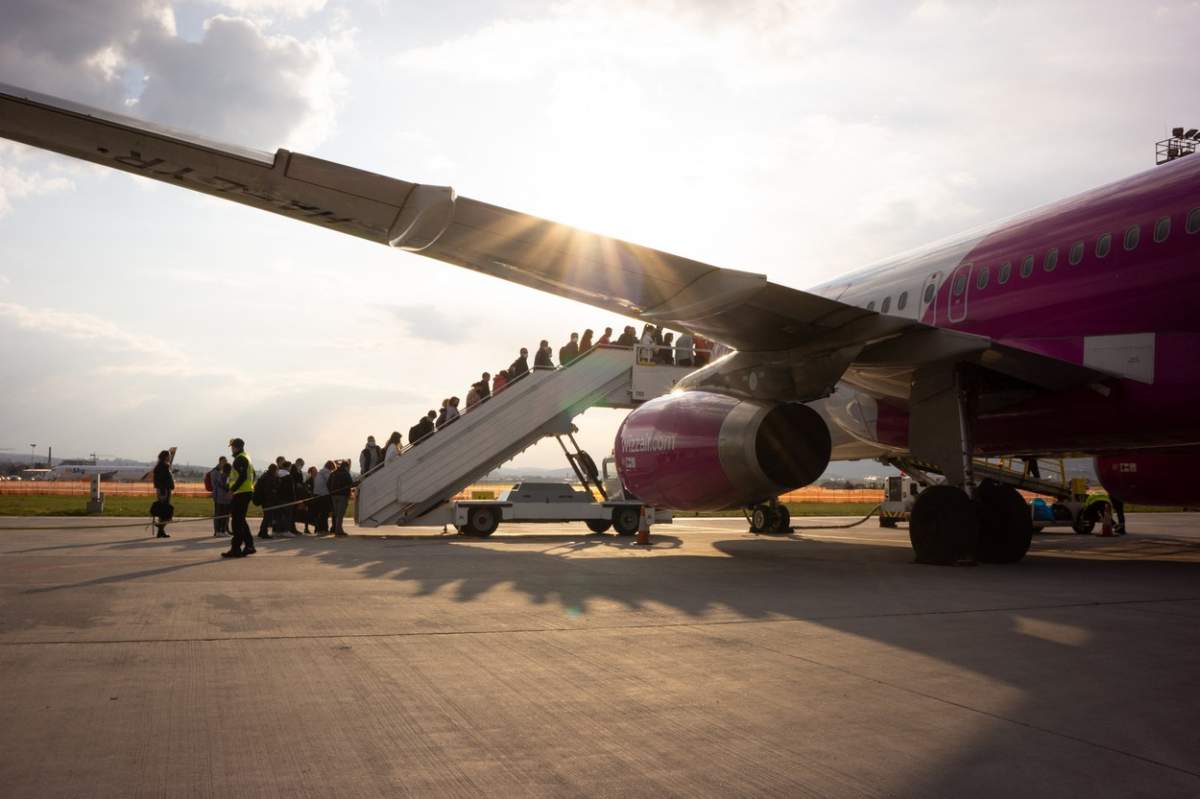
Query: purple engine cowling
<point x="696" y="450"/>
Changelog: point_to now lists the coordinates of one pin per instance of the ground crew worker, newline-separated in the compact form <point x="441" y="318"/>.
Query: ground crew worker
<point x="241" y="487"/>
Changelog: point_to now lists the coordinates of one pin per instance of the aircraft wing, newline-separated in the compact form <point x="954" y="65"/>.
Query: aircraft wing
<point x="741" y="309"/>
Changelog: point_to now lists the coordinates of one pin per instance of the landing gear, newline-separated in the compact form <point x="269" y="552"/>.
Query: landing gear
<point x="1005" y="527"/>
<point x="772" y="519"/>
<point x="944" y="526"/>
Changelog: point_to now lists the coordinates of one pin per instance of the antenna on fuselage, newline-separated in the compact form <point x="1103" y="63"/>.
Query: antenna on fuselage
<point x="1180" y="144"/>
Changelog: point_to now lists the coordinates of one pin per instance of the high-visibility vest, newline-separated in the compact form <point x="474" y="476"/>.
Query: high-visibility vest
<point x="247" y="485"/>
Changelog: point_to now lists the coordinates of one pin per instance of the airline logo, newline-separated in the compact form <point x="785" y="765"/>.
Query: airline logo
<point x="650" y="442"/>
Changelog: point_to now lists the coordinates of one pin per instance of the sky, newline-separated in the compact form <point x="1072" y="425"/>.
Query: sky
<point x="796" y="139"/>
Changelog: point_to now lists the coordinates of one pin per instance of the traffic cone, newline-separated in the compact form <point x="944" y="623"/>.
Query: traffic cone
<point x="1106" y="522"/>
<point x="643" y="534"/>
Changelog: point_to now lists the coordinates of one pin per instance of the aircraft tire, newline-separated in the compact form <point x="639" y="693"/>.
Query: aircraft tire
<point x="760" y="518"/>
<point x="1005" y="526"/>
<point x="943" y="526"/>
<point x="887" y="522"/>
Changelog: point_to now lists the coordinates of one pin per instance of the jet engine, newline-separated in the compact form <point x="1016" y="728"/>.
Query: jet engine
<point x="696" y="450"/>
<point x="1162" y="477"/>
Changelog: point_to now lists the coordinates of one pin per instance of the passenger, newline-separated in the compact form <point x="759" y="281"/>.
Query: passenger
<point x="1119" y="509"/>
<point x="452" y="410"/>
<point x="285" y="495"/>
<point x="241" y="491"/>
<point x="340" y="483"/>
<point x="221" y="498"/>
<point x="646" y="345"/>
<point x="370" y="457"/>
<point x="683" y="349"/>
<point x="321" y="503"/>
<point x="569" y="351"/>
<point x="544" y="358"/>
<point x="703" y="351"/>
<point x="520" y="366"/>
<point x="665" y="354"/>
<point x="310" y="515"/>
<point x="485" y="386"/>
<point x="164" y="484"/>
<point x="427" y="427"/>
<point x="585" y="341"/>
<point x="628" y="337"/>
<point x="266" y="492"/>
<point x="392" y="450"/>
<point x="220" y="525"/>
<point x="606" y="338"/>
<point x="499" y="381"/>
<point x="440" y="422"/>
<point x="302" y="512"/>
<point x="414" y="432"/>
<point x="472" y="396"/>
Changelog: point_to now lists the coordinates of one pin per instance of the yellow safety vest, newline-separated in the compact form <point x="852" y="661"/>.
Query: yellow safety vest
<point x="247" y="486"/>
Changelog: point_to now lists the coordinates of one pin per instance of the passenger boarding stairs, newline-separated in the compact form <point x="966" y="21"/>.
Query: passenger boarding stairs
<point x="541" y="403"/>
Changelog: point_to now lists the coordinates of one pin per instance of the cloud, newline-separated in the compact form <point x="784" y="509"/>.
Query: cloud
<point x="84" y="327"/>
<point x="240" y="82"/>
<point x="25" y="173"/>
<point x="429" y="323"/>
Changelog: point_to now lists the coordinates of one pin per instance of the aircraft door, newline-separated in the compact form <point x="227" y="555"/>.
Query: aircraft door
<point x="960" y="287"/>
<point x="929" y="293"/>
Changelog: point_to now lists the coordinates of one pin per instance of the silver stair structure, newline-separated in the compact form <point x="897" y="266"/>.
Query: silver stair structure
<point x="541" y="403"/>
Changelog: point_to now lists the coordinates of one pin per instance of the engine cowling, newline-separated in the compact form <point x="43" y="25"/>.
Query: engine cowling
<point x="1152" y="478"/>
<point x="696" y="450"/>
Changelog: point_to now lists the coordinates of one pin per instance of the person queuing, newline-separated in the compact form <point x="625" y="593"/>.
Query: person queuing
<point x="241" y="490"/>
<point x="370" y="457"/>
<point x="164" y="484"/>
<point x="321" y="503"/>
<point x="452" y="410"/>
<point x="285" y="496"/>
<point x="569" y="351"/>
<point x="484" y="386"/>
<point x="544" y="358"/>
<point x="585" y="341"/>
<point x="665" y="354"/>
<point x="220" y="496"/>
<point x="340" y="483"/>
<point x="499" y="381"/>
<point x="266" y="495"/>
<point x="392" y="450"/>
<point x="520" y="366"/>
<point x="605" y="338"/>
<point x="628" y="337"/>
<point x="683" y="349"/>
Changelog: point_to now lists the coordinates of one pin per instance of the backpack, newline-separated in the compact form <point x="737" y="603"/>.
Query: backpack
<point x="208" y="484"/>
<point x="259" y="495"/>
<point x="163" y="511"/>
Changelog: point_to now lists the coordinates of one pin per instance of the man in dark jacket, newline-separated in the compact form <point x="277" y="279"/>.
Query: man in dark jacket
<point x="628" y="337"/>
<point x="285" y="494"/>
<point x="484" y="386"/>
<point x="339" y="494"/>
<point x="164" y="484"/>
<point x="266" y="492"/>
<point x="569" y="351"/>
<point x="520" y="366"/>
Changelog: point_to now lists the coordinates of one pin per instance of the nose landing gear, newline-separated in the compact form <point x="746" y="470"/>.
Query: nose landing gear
<point x="770" y="518"/>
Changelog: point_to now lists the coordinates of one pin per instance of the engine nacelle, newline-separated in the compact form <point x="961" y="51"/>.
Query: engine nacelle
<point x="696" y="450"/>
<point x="1152" y="478"/>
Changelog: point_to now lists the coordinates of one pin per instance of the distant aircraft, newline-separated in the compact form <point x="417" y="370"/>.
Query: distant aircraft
<point x="1068" y="330"/>
<point x="120" y="474"/>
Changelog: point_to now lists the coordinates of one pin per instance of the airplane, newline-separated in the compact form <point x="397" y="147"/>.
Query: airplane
<point x="121" y="474"/>
<point x="1067" y="330"/>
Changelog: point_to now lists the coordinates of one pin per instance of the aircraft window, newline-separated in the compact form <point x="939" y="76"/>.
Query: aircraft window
<point x="981" y="279"/>
<point x="929" y="292"/>
<point x="1103" y="245"/>
<point x="1027" y="266"/>
<point x="871" y="305"/>
<point x="887" y="305"/>
<point x="1076" y="254"/>
<point x="1162" y="229"/>
<point x="1131" y="237"/>
<point x="902" y="301"/>
<point x="1193" y="220"/>
<point x="1051" y="259"/>
<point x="1005" y="272"/>
<point x="960" y="284"/>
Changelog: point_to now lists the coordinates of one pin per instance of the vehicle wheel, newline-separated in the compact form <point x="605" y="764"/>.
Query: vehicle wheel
<point x="625" y="520"/>
<point x="1085" y="522"/>
<point x="885" y="521"/>
<point x="483" y="521"/>
<point x="943" y="526"/>
<point x="1005" y="526"/>
<point x="760" y="518"/>
<point x="598" y="525"/>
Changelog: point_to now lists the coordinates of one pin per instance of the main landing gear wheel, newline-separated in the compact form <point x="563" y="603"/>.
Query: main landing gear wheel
<point x="625" y="520"/>
<point x="772" y="520"/>
<point x="598" y="525"/>
<point x="943" y="526"/>
<point x="482" y="522"/>
<point x="885" y="521"/>
<point x="1005" y="527"/>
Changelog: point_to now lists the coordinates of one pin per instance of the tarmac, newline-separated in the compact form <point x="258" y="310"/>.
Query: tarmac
<point x="549" y="662"/>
